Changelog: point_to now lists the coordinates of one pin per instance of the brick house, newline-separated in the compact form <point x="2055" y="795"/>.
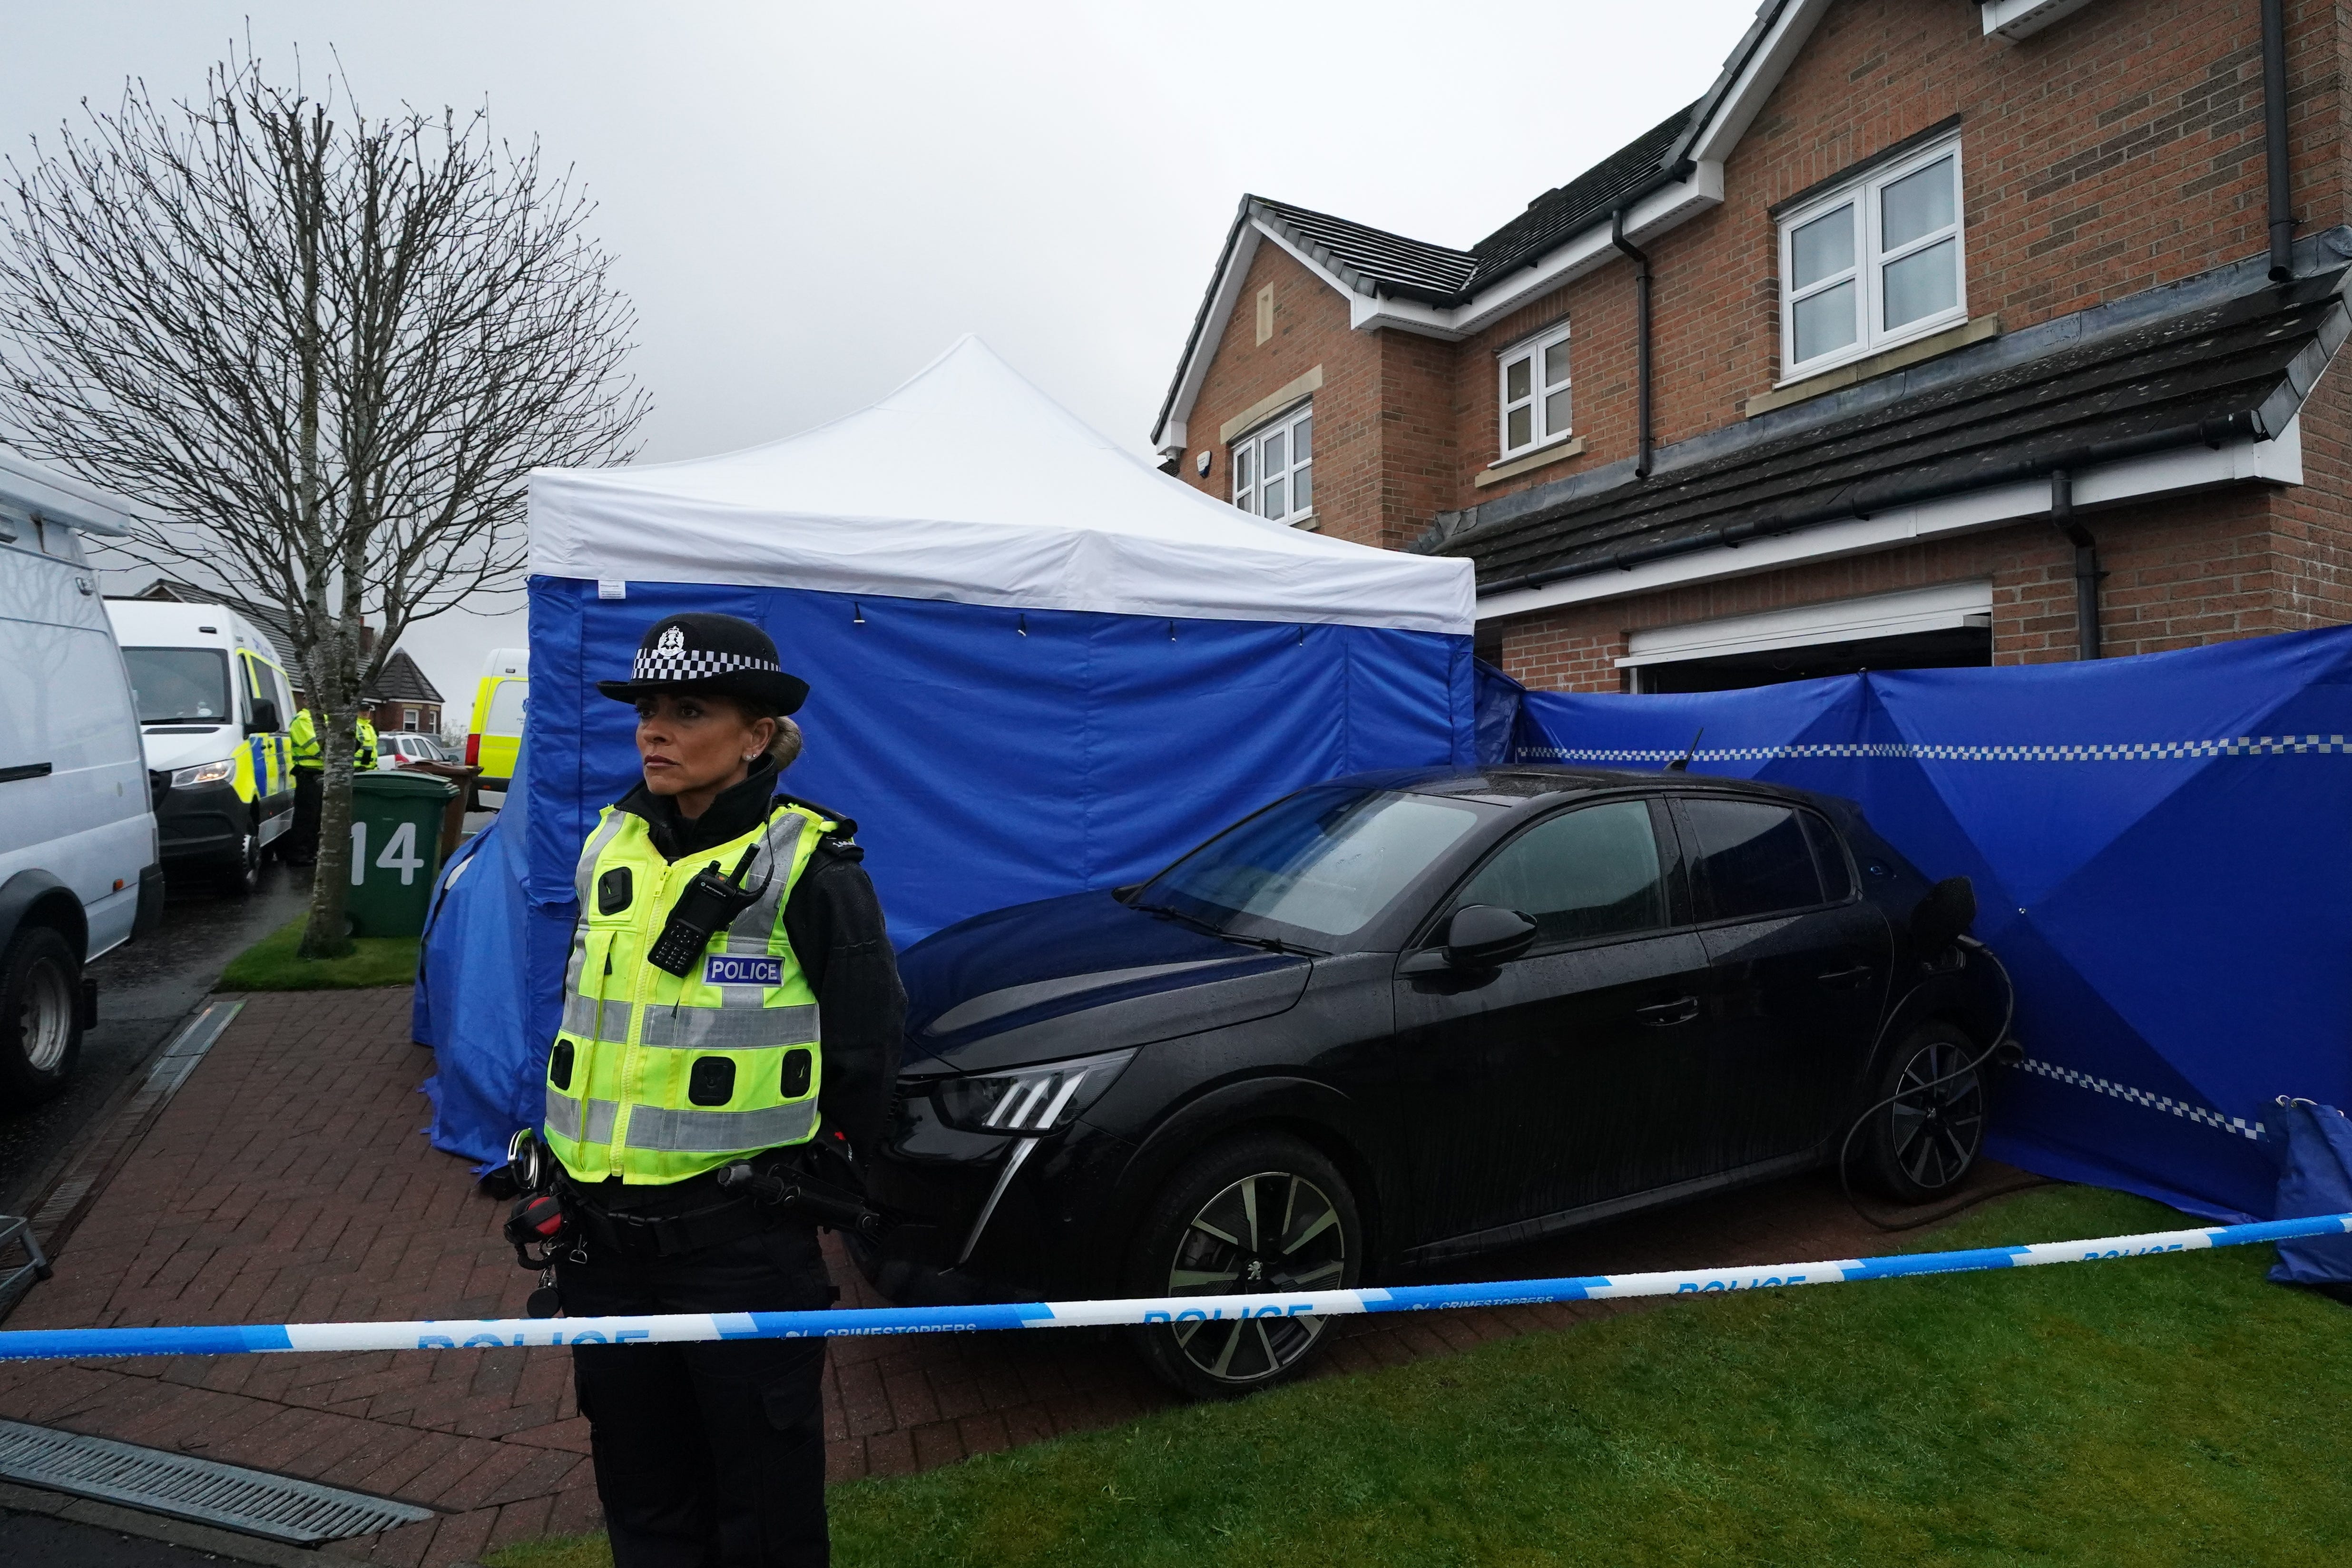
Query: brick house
<point x="1962" y="321"/>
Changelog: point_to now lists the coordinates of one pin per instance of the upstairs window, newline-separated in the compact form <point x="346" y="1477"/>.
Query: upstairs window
<point x="1273" y="468"/>
<point x="1873" y="264"/>
<point x="1535" y="400"/>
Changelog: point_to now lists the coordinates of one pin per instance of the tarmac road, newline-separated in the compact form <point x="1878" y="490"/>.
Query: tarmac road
<point x="145" y="988"/>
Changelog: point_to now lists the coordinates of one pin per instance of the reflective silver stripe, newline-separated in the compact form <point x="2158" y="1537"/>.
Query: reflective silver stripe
<point x="738" y="1028"/>
<point x="579" y="961"/>
<point x="582" y="879"/>
<point x="721" y="1132"/>
<point x="749" y="931"/>
<point x="580" y="1018"/>
<point x="563" y="1117"/>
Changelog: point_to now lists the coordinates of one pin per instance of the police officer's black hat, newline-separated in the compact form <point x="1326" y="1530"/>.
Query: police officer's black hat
<point x="722" y="655"/>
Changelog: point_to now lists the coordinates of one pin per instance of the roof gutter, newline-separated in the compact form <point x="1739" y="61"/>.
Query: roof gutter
<point x="1865" y="497"/>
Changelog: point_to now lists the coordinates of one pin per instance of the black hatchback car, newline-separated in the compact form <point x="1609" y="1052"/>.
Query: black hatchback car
<point x="1398" y="1019"/>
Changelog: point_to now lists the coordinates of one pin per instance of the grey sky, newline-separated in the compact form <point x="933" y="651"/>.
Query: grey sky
<point x="807" y="203"/>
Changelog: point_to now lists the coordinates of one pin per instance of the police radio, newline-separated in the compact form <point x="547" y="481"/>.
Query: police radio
<point x="709" y="903"/>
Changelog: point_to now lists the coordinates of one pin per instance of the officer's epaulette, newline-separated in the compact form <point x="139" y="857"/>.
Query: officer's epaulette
<point x="842" y="839"/>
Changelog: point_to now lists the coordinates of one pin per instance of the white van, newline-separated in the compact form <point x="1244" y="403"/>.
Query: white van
<point x="215" y="707"/>
<point x="79" y="869"/>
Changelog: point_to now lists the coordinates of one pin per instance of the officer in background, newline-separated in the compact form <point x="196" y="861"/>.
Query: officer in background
<point x="720" y="919"/>
<point x="310" y="773"/>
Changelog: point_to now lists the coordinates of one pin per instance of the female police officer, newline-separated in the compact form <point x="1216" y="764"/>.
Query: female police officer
<point x="767" y="1022"/>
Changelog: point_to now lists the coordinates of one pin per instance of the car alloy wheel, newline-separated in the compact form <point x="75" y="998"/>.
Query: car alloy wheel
<point x="1261" y="1215"/>
<point x="1929" y="1134"/>
<point x="1273" y="1231"/>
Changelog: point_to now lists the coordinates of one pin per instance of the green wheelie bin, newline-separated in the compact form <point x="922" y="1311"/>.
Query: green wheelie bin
<point x="395" y="850"/>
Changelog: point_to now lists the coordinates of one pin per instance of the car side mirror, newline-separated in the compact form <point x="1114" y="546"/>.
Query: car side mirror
<point x="1483" y="936"/>
<point x="1945" y="915"/>
<point x="265" y="716"/>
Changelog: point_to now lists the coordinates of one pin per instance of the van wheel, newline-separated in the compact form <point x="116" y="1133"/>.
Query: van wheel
<point x="240" y="875"/>
<point x="40" y="1014"/>
<point x="1263" y="1214"/>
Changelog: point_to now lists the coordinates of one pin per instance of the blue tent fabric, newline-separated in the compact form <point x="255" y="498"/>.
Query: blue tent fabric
<point x="489" y="986"/>
<point x="2316" y="1179"/>
<point x="992" y="756"/>
<point x="2159" y="847"/>
<point x="1498" y="714"/>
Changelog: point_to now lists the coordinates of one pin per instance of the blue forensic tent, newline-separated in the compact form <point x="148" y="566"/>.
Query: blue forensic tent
<point x="1036" y="663"/>
<point x="2161" y="848"/>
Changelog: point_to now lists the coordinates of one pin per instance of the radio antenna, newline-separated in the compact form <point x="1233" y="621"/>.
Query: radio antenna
<point x="1681" y="764"/>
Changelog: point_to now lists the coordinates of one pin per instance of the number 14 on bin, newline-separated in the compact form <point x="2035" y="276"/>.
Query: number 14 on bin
<point x="399" y="853"/>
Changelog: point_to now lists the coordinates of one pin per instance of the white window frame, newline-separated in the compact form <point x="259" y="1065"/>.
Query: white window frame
<point x="1246" y="459"/>
<point x="1533" y="350"/>
<point x="1872" y="335"/>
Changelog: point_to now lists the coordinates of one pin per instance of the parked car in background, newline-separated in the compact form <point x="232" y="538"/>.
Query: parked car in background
<point x="1400" y="1018"/>
<point x="494" y="734"/>
<point x="79" y="872"/>
<point x="213" y="705"/>
<point x="399" y="748"/>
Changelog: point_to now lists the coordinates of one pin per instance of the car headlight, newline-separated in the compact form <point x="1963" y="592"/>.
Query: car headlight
<point x="203" y="773"/>
<point x="1029" y="1101"/>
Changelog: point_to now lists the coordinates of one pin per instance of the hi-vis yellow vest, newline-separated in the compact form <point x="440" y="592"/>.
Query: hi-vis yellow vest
<point x="655" y="1077"/>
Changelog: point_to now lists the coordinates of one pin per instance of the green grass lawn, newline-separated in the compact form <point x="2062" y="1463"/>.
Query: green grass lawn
<point x="271" y="965"/>
<point x="2138" y="1413"/>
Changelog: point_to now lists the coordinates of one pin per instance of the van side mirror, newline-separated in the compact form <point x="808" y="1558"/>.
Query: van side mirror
<point x="1945" y="915"/>
<point x="265" y="717"/>
<point x="1482" y="936"/>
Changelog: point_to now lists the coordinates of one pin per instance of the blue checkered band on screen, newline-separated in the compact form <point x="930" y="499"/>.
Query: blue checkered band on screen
<point x="2116" y="751"/>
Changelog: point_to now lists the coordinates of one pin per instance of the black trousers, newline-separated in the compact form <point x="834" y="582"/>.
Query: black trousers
<point x="707" y="1455"/>
<point x="300" y="845"/>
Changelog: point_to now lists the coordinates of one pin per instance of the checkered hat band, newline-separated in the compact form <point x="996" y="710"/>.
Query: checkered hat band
<point x="694" y="664"/>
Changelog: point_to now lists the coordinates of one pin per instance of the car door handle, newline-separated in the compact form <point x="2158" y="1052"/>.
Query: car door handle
<point x="1847" y="979"/>
<point x="1665" y="1015"/>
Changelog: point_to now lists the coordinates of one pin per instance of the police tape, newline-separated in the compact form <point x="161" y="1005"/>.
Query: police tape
<point x="29" y="1344"/>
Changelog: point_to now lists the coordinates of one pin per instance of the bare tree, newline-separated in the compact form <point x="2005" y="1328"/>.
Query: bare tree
<point x="325" y="349"/>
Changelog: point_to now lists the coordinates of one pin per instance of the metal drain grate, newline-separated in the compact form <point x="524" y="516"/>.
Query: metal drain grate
<point x="302" y="1512"/>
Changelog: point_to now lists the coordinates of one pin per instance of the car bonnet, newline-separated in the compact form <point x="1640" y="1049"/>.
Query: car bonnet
<point x="1007" y="988"/>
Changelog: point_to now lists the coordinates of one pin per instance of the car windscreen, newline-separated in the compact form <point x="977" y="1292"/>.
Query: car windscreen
<point x="179" y="685"/>
<point x="1324" y="863"/>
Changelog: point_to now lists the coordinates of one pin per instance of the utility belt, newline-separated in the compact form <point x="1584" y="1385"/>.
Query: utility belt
<point x="688" y="1216"/>
<point x="559" y="1216"/>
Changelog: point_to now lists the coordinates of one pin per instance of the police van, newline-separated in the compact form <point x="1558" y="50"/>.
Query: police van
<point x="78" y="870"/>
<point x="494" y="735"/>
<point x="214" y="705"/>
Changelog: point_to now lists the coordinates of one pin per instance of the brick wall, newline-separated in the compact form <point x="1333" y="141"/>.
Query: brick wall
<point x="2118" y="150"/>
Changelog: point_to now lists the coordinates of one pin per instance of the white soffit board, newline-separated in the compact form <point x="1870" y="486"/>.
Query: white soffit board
<point x="1944" y="607"/>
<point x="2185" y="469"/>
<point x="2009" y="20"/>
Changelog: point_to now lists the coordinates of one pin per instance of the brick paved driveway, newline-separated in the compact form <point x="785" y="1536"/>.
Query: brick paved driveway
<point x="289" y="1181"/>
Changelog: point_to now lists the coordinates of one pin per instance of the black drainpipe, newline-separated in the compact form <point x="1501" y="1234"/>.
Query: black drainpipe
<point x="2274" y="148"/>
<point x="2086" y="565"/>
<point x="1641" y="336"/>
